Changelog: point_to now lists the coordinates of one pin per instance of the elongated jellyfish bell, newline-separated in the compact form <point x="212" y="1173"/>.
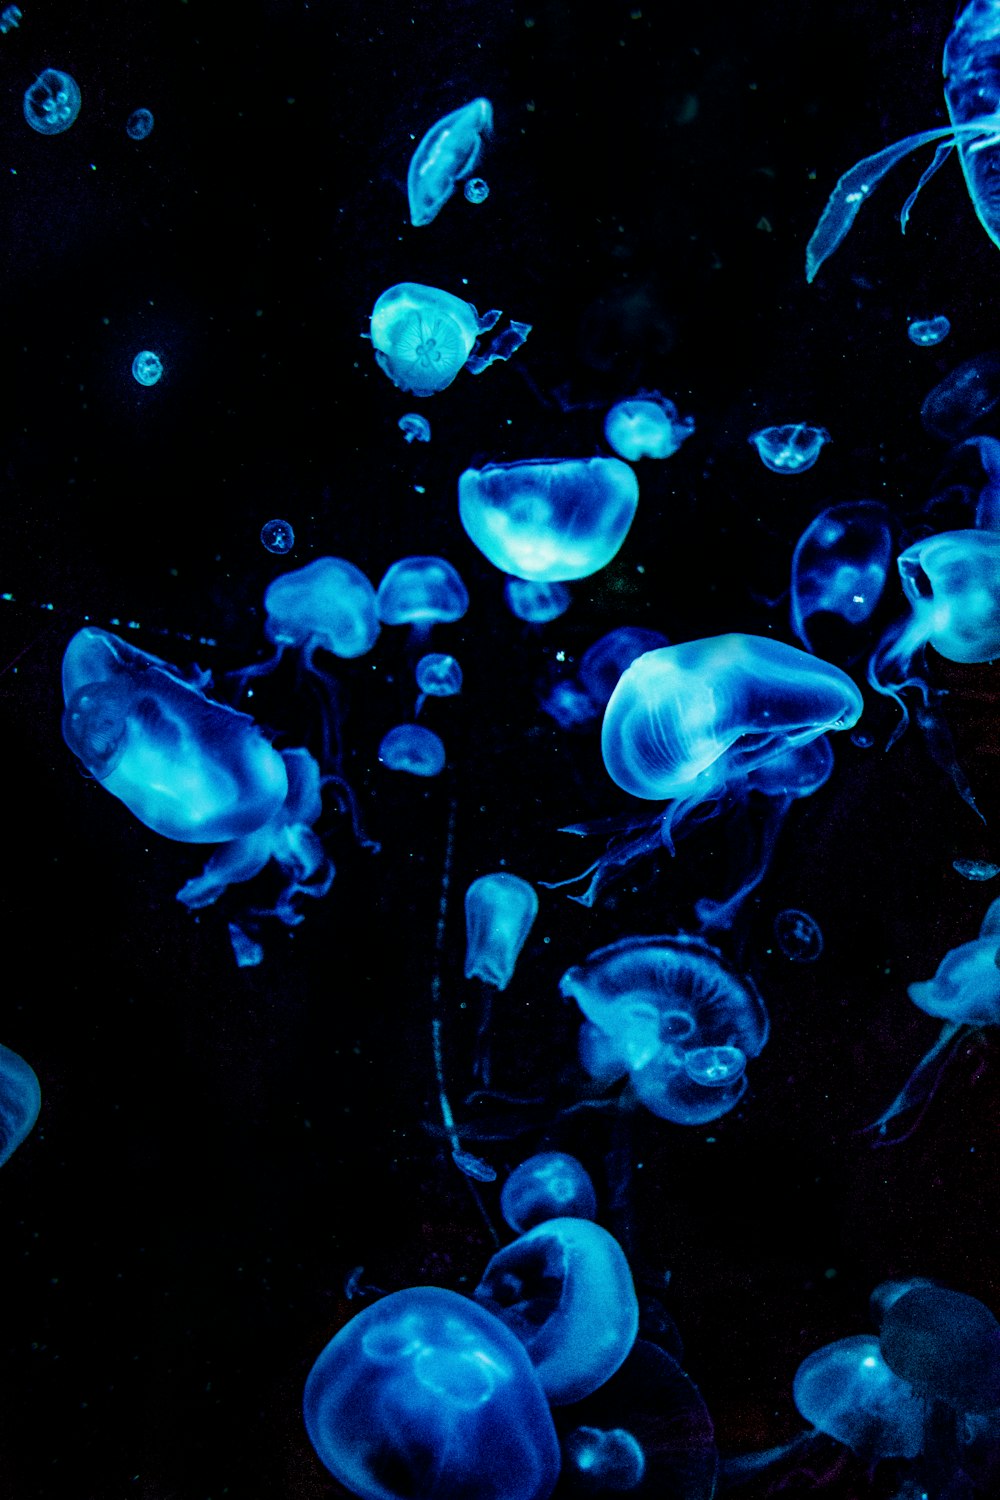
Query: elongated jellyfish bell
<point x="446" y="155"/>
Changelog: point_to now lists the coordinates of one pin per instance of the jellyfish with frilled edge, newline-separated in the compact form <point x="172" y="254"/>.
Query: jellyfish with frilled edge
<point x="424" y="336"/>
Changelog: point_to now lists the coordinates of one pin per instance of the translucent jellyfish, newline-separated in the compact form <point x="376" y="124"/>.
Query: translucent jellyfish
<point x="945" y="1345"/>
<point x="550" y="1185"/>
<point x="20" y="1101"/>
<point x="10" y="18"/>
<point x="139" y="124"/>
<point x="549" y="520"/>
<point x="602" y="664"/>
<point x="278" y="536"/>
<point x="147" y="367"/>
<point x="424" y="1393"/>
<point x="423" y="336"/>
<point x="536" y="602"/>
<point x="847" y="1390"/>
<point x="976" y="869"/>
<point x="791" y="448"/>
<point x="415" y="428"/>
<point x="499" y="912"/>
<point x="613" y="1458"/>
<point x="564" y="1289"/>
<point x="411" y="748"/>
<point x="840" y="566"/>
<point x="476" y="190"/>
<point x="927" y="331"/>
<point x="674" y="1018"/>
<point x="448" y="153"/>
<point x="421" y="592"/>
<point x="798" y="936"/>
<point x="438" y="675"/>
<point x="329" y="604"/>
<point x="646" y="426"/>
<point x="52" y="102"/>
<point x="963" y="398"/>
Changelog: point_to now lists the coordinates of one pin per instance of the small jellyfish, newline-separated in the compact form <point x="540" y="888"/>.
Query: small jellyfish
<point x="20" y="1101"/>
<point x="975" y="869"/>
<point x="425" y="1393"/>
<point x="415" y="428"/>
<point x="499" y="912"/>
<point x="411" y="748"/>
<point x="840" y="565"/>
<point x="449" y="152"/>
<point x="278" y="536"/>
<point x="423" y="336"/>
<point x="674" y="1018"/>
<point x="438" y="675"/>
<point x="791" y="448"/>
<point x="327" y="605"/>
<point x="52" y="102"/>
<point x="421" y="592"/>
<point x="847" y="1390"/>
<point x="646" y="426"/>
<point x="927" y="331"/>
<point x="147" y="367"/>
<point x="476" y="190"/>
<point x="612" y="1458"/>
<point x="536" y="602"/>
<point x="551" y="1185"/>
<point x="10" y="18"/>
<point x="602" y="664"/>
<point x="139" y="124"/>
<point x="945" y="1345"/>
<point x="963" y="398"/>
<point x="549" y="520"/>
<point x="798" y="936"/>
<point x="564" y="1289"/>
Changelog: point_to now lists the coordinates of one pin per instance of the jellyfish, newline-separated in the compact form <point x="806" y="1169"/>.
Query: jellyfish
<point x="411" y="748"/>
<point x="147" y="367"/>
<point x="549" y="520"/>
<point x="963" y="398"/>
<point x="421" y="592"/>
<point x="52" y="102"/>
<point x="840" y="565"/>
<point x="602" y="664"/>
<point x="798" y="936"/>
<point x="564" y="1289"/>
<point x="646" y="426"/>
<point x="613" y="1458"/>
<point x="499" y="912"/>
<point x="847" y="1390"/>
<point x="277" y="536"/>
<point x="423" y="337"/>
<point x="975" y="869"/>
<point x="139" y="124"/>
<point x="415" y="428"/>
<point x="537" y="603"/>
<point x="945" y="1345"/>
<point x="10" y="18"/>
<point x="425" y="1393"/>
<point x="476" y="190"/>
<point x="927" y="331"/>
<point x="329" y="604"/>
<point x="448" y="153"/>
<point x="550" y="1185"/>
<point x="789" y="449"/>
<point x="438" y="676"/>
<point x="20" y="1101"/>
<point x="671" y="1016"/>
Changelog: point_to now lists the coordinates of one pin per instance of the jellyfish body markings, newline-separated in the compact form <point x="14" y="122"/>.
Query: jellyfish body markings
<point x="790" y="448"/>
<point x="847" y="1390"/>
<point x="20" y="1101"/>
<point x="646" y="426"/>
<point x="499" y="912"/>
<point x="439" y="675"/>
<point x="549" y="1185"/>
<point x="52" y="102"/>
<point x="840" y="565"/>
<point x="414" y="749"/>
<point x="327" y="604"/>
<point x="537" y="603"/>
<point x="147" y="367"/>
<point x="447" y="154"/>
<point x="277" y="536"/>
<point x="925" y="332"/>
<point x="139" y="124"/>
<point x="612" y="1457"/>
<point x="423" y="336"/>
<point x="476" y="190"/>
<point x="426" y="1393"/>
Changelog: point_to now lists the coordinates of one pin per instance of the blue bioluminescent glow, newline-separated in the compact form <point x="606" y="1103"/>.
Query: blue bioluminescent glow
<point x="421" y="592"/>
<point x="791" y="448"/>
<point x="847" y="1390"/>
<point x="646" y="426"/>
<point x="329" y="604"/>
<point x="549" y="520"/>
<point x="20" y="1101"/>
<point x="499" y="911"/>
<point x="564" y="1289"/>
<point x="976" y="869"/>
<point x="10" y="18"/>
<point x="550" y="1185"/>
<point x="840" y="565"/>
<point x="278" y="536"/>
<point x="476" y="190"/>
<point x="427" y="1394"/>
<point x="798" y="936"/>
<point x="927" y="331"/>
<point x="139" y="124"/>
<point x="449" y="152"/>
<point x="536" y="602"/>
<point x="422" y="336"/>
<point x="414" y="749"/>
<point x="147" y="367"/>
<point x="439" y="675"/>
<point x="611" y="1458"/>
<point x="602" y="664"/>
<point x="414" y="427"/>
<point x="945" y="1345"/>
<point x="966" y="395"/>
<point x="52" y="102"/>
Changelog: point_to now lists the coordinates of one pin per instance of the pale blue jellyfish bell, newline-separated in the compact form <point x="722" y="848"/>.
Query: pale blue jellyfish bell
<point x="147" y="367"/>
<point x="426" y="1394"/>
<point x="549" y="1185"/>
<point x="446" y="155"/>
<point x="414" y="427"/>
<point x="925" y="332"/>
<point x="421" y="592"/>
<point x="549" y="520"/>
<point x="278" y="537"/>
<point x="327" y="605"/>
<point x="139" y="124"/>
<point x="438" y="676"/>
<point x="537" y="603"/>
<point x="798" y="935"/>
<point x="476" y="190"/>
<point x="847" y="1390"/>
<point x="646" y="426"/>
<point x="413" y="749"/>
<point x="499" y="912"/>
<point x="790" y="448"/>
<point x="602" y="664"/>
<point x="840" y="566"/>
<point x="423" y="337"/>
<point x="20" y="1101"/>
<point x="966" y="395"/>
<point x="564" y="1289"/>
<point x="610" y="1457"/>
<point x="52" y="102"/>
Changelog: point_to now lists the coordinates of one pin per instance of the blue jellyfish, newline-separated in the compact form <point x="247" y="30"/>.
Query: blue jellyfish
<point x="671" y="1016"/>
<point x="945" y="1345"/>
<point x="411" y="748"/>
<point x="564" y="1289"/>
<point x="602" y="664"/>
<point x="966" y="395"/>
<point x="927" y="331"/>
<point x="975" y="869"/>
<point x="798" y="936"/>
<point x="476" y="190"/>
<point x="52" y="102"/>
<point x="847" y="1390"/>
<point x="612" y="1458"/>
<point x="840" y="565"/>
<point x="10" y="18"/>
<point x="147" y="367"/>
<point x="550" y="1185"/>
<point x="499" y="912"/>
<point x="329" y="604"/>
<point x="427" y="1394"/>
<point x="421" y="592"/>
<point x="278" y="536"/>
<point x="415" y="428"/>
<point x="20" y="1101"/>
<point x="549" y="520"/>
<point x="448" y="153"/>
<point x="139" y="124"/>
<point x="791" y="448"/>
<point x="536" y="602"/>
<point x="438" y="676"/>
<point x="423" y="337"/>
<point x="646" y="426"/>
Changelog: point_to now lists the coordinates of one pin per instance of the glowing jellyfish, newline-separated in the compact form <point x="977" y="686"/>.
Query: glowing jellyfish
<point x="840" y="565"/>
<point x="415" y="428"/>
<point x="964" y="397"/>
<point x="476" y="190"/>
<point x="277" y="536"/>
<point x="674" y="1018"/>
<point x="421" y="592"/>
<point x="20" y="1101"/>
<point x="10" y="18"/>
<point x="549" y="520"/>
<point x="550" y="1185"/>
<point x="975" y="869"/>
<point x="147" y="367"/>
<point x="411" y="748"/>
<point x="448" y="153"/>
<point x="847" y="1390"/>
<point x="536" y="602"/>
<point x="499" y="912"/>
<point x="564" y="1289"/>
<point x="612" y="1458"/>
<point x="426" y="1394"/>
<point x="329" y="604"/>
<point x="927" y="331"/>
<point x="798" y="936"/>
<point x="945" y="1345"/>
<point x="789" y="449"/>
<point x="139" y="124"/>
<point x="646" y="426"/>
<point x="52" y="102"/>
<point x="439" y="675"/>
<point x="423" y="336"/>
<point x="602" y="664"/>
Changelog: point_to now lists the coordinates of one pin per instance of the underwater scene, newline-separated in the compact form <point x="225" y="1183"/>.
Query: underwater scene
<point x="499" y="621"/>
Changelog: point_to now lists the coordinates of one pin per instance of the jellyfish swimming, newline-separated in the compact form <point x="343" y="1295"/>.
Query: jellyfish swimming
<point x="840" y="566"/>
<point x="549" y="520"/>
<point x="52" y="102"/>
<point x="612" y="1458"/>
<point x="499" y="912"/>
<point x="438" y="675"/>
<point x="798" y="936"/>
<point x="646" y="426"/>
<point x="603" y="662"/>
<point x="671" y="1016"/>
<point x="549" y="1185"/>
<point x="476" y="190"/>
<point x="425" y="1393"/>
<point x="791" y="448"/>
<point x="414" y="749"/>
<point x="447" y="154"/>
<point x="327" y="605"/>
<point x="966" y="395"/>
<point x="421" y="592"/>
<point x="537" y="603"/>
<point x="927" y="331"/>
<point x="564" y="1289"/>
<point x="847" y="1390"/>
<point x="139" y="124"/>
<point x="147" y="367"/>
<point x="277" y="536"/>
<point x="20" y="1101"/>
<point x="945" y="1345"/>
<point x="423" y="337"/>
<point x="414" y="427"/>
<point x="10" y="18"/>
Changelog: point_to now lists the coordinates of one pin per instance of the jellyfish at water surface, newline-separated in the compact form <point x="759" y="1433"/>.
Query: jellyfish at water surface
<point x="550" y="1185"/>
<point x="646" y="426"/>
<point x="537" y="603"/>
<point x="791" y="448"/>
<point x="927" y="331"/>
<point x="549" y="520"/>
<point x="671" y="1016"/>
<point x="139" y="124"/>
<point x="840" y="566"/>
<point x="423" y="337"/>
<point x="20" y="1101"/>
<point x="147" y="367"/>
<point x="847" y="1390"/>
<point x="447" y="154"/>
<point x="499" y="912"/>
<point x="413" y="749"/>
<point x="426" y="1394"/>
<point x="52" y="102"/>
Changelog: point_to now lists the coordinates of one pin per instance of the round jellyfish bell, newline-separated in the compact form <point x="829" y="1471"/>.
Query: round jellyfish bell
<point x="791" y="448"/>
<point x="646" y="426"/>
<point x="847" y="1390"/>
<point x="327" y="604"/>
<point x="536" y="602"/>
<point x="945" y="1345"/>
<point x="612" y="1458"/>
<point x="421" y="592"/>
<point x="20" y="1101"/>
<point x="423" y="336"/>
<point x="550" y="1185"/>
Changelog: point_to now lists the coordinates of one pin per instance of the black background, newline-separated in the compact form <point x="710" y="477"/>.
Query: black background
<point x="219" y="1148"/>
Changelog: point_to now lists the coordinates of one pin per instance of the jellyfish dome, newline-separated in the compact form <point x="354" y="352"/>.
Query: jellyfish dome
<point x="613" y="1458"/>
<point x="421" y="591"/>
<point x="646" y="426"/>
<point x="439" y="675"/>
<point x="549" y="520"/>
<point x="423" y="336"/>
<point x="966" y="987"/>
<point x="329" y="603"/>
<point x="20" y="1101"/>
<point x="791" y="448"/>
<point x="672" y="1015"/>
<point x="840" y="565"/>
<point x="52" y="102"/>
<point x="847" y="1390"/>
<point x="603" y="663"/>
<point x="427" y="1394"/>
<point x="945" y="1345"/>
<point x="447" y="154"/>
<point x="536" y="602"/>
<point x="550" y="1185"/>
<point x="413" y="749"/>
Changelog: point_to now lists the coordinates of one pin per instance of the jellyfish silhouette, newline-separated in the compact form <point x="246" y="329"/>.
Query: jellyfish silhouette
<point x="446" y="155"/>
<point x="840" y="566"/>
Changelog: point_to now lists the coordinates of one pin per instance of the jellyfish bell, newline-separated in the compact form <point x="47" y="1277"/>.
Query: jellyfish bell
<point x="646" y="426"/>
<point x="847" y="1390"/>
<point x="20" y="1101"/>
<point x="421" y="592"/>
<point x="447" y="154"/>
<point x="327" y="604"/>
<point x="549" y="1185"/>
<point x="603" y="663"/>
<point x="424" y="336"/>
<point x="945" y="1345"/>
<point x="840" y="565"/>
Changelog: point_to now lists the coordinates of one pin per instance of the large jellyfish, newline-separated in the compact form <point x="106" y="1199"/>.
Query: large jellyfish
<point x="674" y="1018"/>
<point x="448" y="153"/>
<point x="840" y="565"/>
<point x="20" y="1101"/>
<point x="423" y="336"/>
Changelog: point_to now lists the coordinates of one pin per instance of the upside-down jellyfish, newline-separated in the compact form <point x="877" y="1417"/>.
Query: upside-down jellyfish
<point x="646" y="426"/>
<point x="549" y="1185"/>
<point x="847" y="1390"/>
<point x="791" y="448"/>
<point x="447" y="154"/>
<point x="20" y="1101"/>
<point x="840" y="565"/>
<point x="426" y="1394"/>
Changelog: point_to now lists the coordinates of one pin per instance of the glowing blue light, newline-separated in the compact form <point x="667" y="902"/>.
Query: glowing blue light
<point x="278" y="536"/>
<point x="964" y="397"/>
<point x="602" y="664"/>
<point x="791" y="448"/>
<point x="20" y="1101"/>
<point x="646" y="426"/>
<point x="139" y="124"/>
<point x="847" y="1390"/>
<point x="425" y="1393"/>
<point x="927" y="331"/>
<point x="798" y="936"/>
<point x="415" y="428"/>
<point x="327" y="604"/>
<point x="10" y="17"/>
<point x="550" y="1185"/>
<point x="147" y="367"/>
<point x="840" y="565"/>
<point x="499" y="911"/>
<point x="476" y="190"/>
<point x="52" y="102"/>
<point x="438" y="675"/>
<point x="612" y="1458"/>
<point x="448" y="153"/>
<point x="549" y="520"/>
<point x="411" y="748"/>
<point x="976" y="869"/>
<point x="536" y="602"/>
<point x="422" y="336"/>
<point x="945" y="1345"/>
<point x="421" y="591"/>
<point x="564" y="1289"/>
